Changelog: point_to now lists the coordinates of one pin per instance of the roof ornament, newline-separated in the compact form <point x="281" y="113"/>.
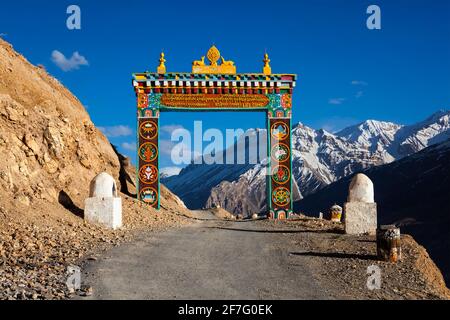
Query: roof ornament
<point x="162" y="67"/>
<point x="267" y="70"/>
<point x="213" y="55"/>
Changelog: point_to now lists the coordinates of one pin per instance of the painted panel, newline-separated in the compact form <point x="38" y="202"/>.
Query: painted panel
<point x="280" y="185"/>
<point x="148" y="158"/>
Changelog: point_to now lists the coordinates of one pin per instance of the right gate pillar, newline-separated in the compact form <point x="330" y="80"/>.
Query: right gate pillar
<point x="279" y="176"/>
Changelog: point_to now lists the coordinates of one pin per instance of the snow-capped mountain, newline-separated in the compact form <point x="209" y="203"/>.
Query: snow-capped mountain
<point x="195" y="182"/>
<point x="318" y="159"/>
<point x="394" y="141"/>
<point x="169" y="172"/>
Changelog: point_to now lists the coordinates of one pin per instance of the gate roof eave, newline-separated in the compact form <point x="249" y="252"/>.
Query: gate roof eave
<point x="147" y="80"/>
<point x="145" y="76"/>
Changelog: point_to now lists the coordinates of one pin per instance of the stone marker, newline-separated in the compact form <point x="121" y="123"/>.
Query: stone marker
<point x="104" y="206"/>
<point x="360" y="209"/>
<point x="388" y="243"/>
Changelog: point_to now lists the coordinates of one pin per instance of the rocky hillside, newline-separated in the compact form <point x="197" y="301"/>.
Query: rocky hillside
<point x="48" y="144"/>
<point x="413" y="193"/>
<point x="49" y="152"/>
<point x="319" y="158"/>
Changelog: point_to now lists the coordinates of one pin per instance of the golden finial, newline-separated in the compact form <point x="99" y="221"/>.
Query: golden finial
<point x="162" y="66"/>
<point x="213" y="55"/>
<point x="267" y="70"/>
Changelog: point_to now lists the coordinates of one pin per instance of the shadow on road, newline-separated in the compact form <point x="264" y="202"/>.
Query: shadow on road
<point x="366" y="241"/>
<point x="336" y="255"/>
<point x="278" y="231"/>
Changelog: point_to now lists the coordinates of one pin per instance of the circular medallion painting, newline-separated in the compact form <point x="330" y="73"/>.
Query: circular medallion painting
<point x="281" y="196"/>
<point x="149" y="195"/>
<point x="281" y="174"/>
<point x="148" y="130"/>
<point x="279" y="130"/>
<point x="280" y="152"/>
<point x="148" y="174"/>
<point x="148" y="152"/>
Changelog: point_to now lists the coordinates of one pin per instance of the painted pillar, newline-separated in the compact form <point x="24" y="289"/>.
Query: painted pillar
<point x="280" y="154"/>
<point x="148" y="153"/>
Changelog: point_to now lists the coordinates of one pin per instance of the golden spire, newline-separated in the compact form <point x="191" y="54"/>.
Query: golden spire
<point x="162" y="66"/>
<point x="267" y="70"/>
<point x="213" y="55"/>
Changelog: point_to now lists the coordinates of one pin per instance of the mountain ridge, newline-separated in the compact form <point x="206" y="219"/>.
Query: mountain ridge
<point x="319" y="158"/>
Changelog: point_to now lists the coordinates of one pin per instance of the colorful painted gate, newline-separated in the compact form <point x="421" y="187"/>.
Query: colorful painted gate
<point x="211" y="87"/>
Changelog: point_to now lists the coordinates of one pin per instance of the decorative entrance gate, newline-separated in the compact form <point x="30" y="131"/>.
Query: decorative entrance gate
<point x="212" y="87"/>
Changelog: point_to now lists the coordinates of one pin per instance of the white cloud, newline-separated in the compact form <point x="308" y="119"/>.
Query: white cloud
<point x="359" y="94"/>
<point x="336" y="100"/>
<point x="359" y="83"/>
<point x="65" y="64"/>
<point x="128" y="146"/>
<point x="170" y="128"/>
<point x="116" y="131"/>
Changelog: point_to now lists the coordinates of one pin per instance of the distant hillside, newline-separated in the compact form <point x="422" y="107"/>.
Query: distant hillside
<point x="413" y="192"/>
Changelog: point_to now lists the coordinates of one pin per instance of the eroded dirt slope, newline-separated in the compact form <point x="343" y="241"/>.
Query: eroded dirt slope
<point x="49" y="152"/>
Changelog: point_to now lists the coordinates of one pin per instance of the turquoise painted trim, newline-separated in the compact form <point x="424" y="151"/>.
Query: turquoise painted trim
<point x="269" y="165"/>
<point x="138" y="187"/>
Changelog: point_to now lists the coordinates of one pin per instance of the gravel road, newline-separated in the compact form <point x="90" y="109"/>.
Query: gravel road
<point x="209" y="259"/>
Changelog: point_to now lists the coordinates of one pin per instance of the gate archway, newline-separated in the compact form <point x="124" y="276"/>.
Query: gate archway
<point x="210" y="87"/>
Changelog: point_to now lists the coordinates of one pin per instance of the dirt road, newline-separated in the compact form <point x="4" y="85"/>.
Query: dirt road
<point x="210" y="259"/>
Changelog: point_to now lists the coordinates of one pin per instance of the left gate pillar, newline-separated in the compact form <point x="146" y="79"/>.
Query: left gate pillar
<point x="148" y="189"/>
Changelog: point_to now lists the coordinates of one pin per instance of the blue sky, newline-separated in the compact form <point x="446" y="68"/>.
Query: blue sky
<point x="347" y="73"/>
